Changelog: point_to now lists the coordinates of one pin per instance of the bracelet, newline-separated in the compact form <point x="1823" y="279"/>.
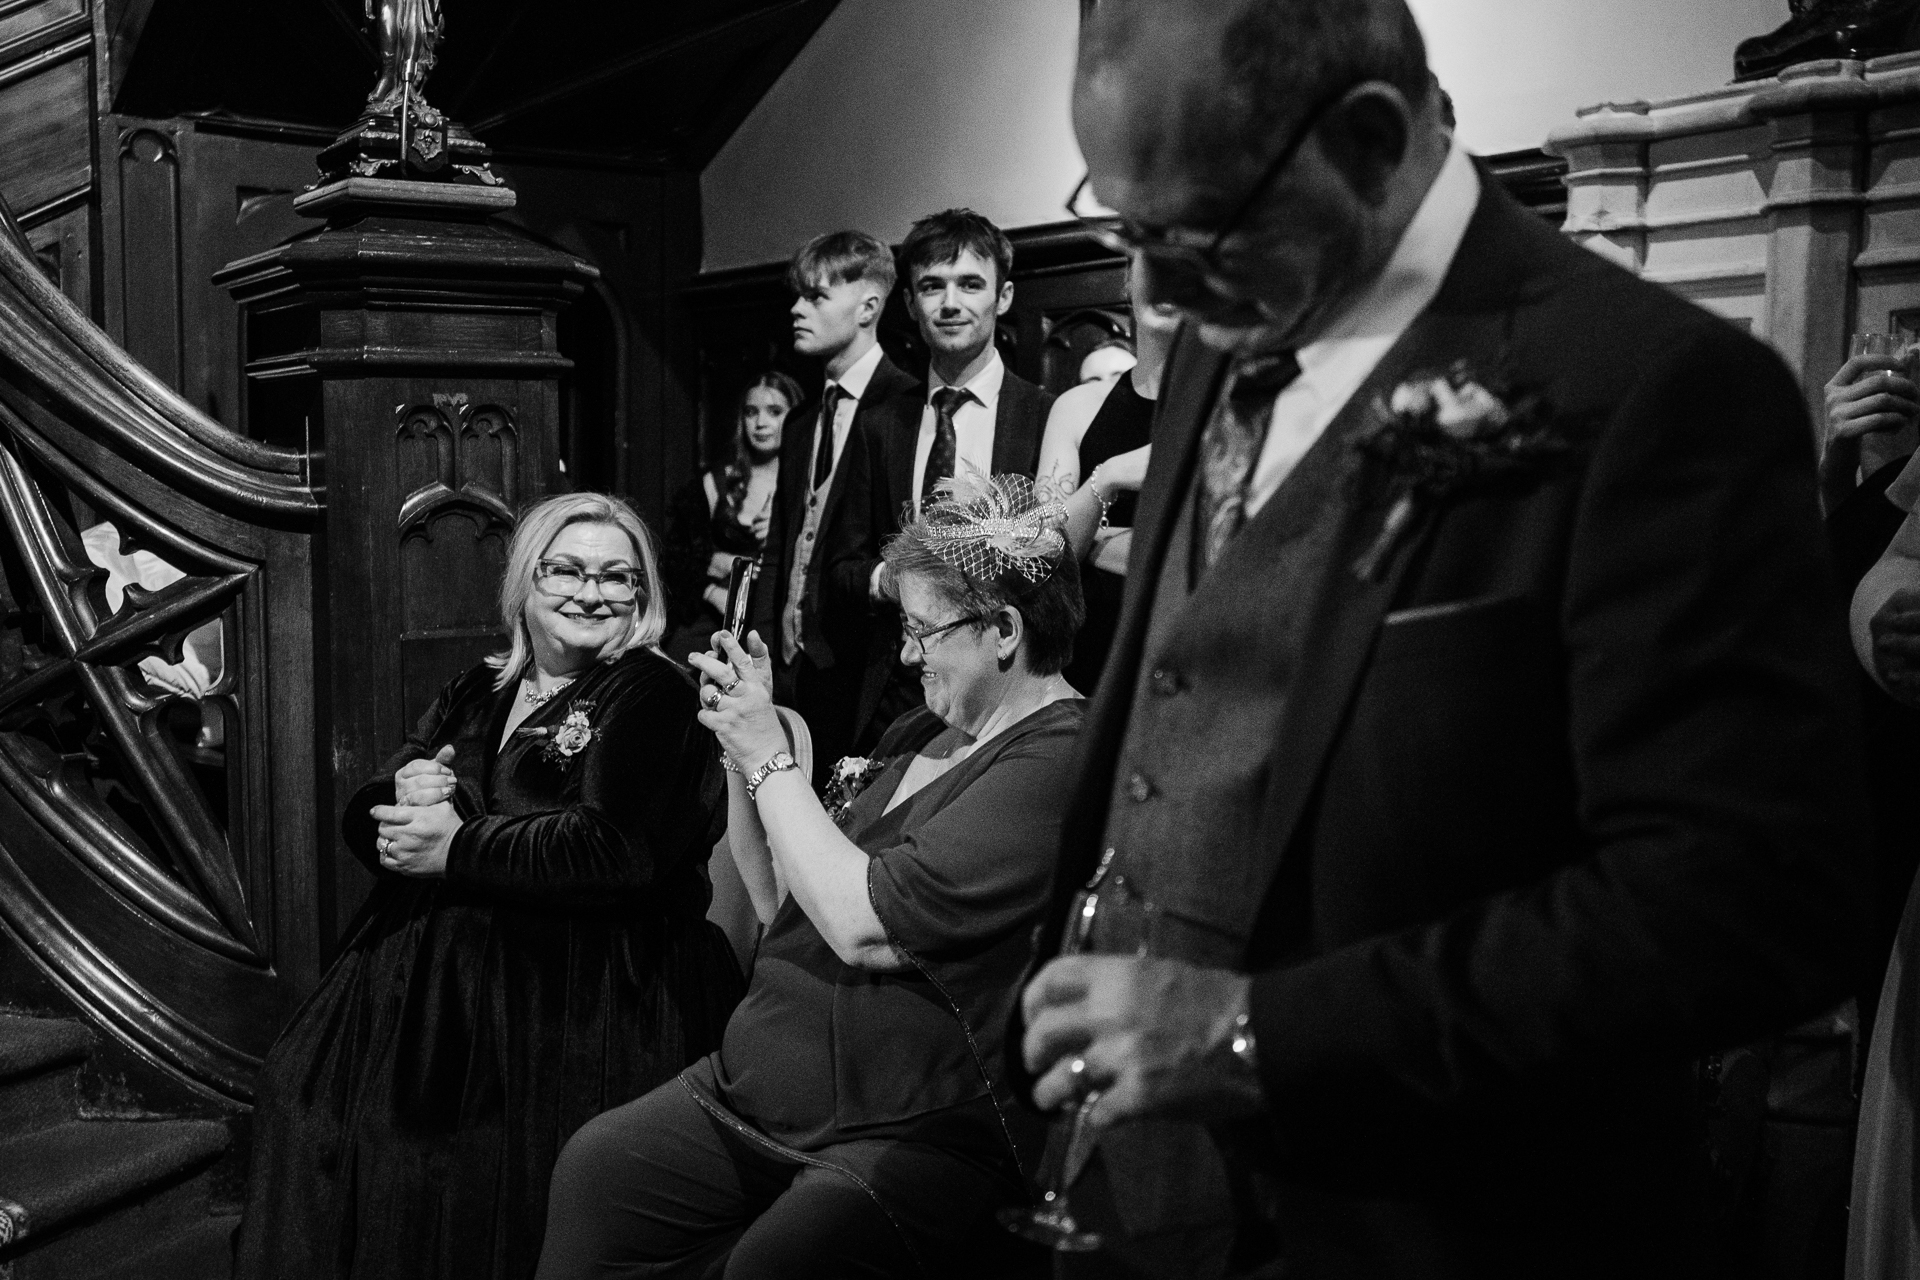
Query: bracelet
<point x="779" y="762"/>
<point x="1093" y="483"/>
<point x="726" y="762"/>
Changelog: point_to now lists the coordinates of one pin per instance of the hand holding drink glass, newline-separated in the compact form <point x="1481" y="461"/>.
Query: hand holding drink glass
<point x="1874" y="390"/>
<point x="1871" y="400"/>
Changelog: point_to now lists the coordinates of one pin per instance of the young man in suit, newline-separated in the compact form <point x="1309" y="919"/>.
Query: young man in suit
<point x="979" y="417"/>
<point x="1477" y="748"/>
<point x="811" y="600"/>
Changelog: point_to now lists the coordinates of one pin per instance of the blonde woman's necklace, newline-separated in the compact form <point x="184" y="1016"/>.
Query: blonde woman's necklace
<point x="535" y="698"/>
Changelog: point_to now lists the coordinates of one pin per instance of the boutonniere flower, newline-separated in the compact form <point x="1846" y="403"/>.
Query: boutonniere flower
<point x="567" y="739"/>
<point x="850" y="776"/>
<point x="1440" y="434"/>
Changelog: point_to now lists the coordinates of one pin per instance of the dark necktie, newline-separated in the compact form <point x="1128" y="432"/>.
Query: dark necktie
<point x="941" y="459"/>
<point x="823" y="456"/>
<point x="1231" y="445"/>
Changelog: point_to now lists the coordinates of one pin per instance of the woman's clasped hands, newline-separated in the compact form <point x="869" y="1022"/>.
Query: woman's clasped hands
<point x="736" y="699"/>
<point x="417" y="829"/>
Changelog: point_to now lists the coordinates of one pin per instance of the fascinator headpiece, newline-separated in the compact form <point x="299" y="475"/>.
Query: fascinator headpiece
<point x="988" y="527"/>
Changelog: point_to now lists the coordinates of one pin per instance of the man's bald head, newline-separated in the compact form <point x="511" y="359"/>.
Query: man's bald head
<point x="1216" y="78"/>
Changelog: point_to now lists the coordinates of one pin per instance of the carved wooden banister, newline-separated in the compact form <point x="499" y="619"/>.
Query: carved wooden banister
<point x="158" y="770"/>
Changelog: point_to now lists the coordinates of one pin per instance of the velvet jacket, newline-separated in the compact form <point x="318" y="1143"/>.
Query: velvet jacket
<point x="410" y="1113"/>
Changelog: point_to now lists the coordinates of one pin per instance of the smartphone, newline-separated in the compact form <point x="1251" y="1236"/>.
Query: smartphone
<point x="739" y="588"/>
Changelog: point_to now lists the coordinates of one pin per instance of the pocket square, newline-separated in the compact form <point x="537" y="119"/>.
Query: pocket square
<point x="1445" y="609"/>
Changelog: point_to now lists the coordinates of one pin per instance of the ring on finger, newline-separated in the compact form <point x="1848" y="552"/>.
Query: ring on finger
<point x="1077" y="1073"/>
<point x="386" y="845"/>
<point x="712" y="698"/>
<point x="730" y="686"/>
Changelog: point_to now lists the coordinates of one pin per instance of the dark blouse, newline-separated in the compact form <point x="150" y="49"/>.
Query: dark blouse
<point x="821" y="1052"/>
<point x="695" y="530"/>
<point x="1124" y="423"/>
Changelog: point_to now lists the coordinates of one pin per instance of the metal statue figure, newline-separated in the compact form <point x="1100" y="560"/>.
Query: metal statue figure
<point x="410" y="33"/>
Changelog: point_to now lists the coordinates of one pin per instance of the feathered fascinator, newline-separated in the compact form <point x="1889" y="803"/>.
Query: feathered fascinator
<point x="990" y="526"/>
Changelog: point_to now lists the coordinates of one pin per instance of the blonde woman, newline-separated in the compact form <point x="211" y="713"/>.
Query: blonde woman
<point x="535" y="950"/>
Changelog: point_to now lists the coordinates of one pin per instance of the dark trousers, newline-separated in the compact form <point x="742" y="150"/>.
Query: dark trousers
<point x="664" y="1188"/>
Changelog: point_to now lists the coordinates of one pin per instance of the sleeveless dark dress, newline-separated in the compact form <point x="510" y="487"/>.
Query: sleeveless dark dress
<point x="695" y="530"/>
<point x="1124" y="423"/>
<point x="410" y="1113"/>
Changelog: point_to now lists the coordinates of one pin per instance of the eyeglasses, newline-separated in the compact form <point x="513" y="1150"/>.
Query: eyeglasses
<point x="1195" y="250"/>
<point x="557" y="577"/>
<point x="924" y="636"/>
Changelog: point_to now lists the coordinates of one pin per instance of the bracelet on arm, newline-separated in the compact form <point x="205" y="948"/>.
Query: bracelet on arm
<point x="1093" y="483"/>
<point x="726" y="762"/>
<point x="780" y="760"/>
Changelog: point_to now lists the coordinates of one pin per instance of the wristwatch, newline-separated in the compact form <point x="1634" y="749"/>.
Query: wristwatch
<point x="781" y="760"/>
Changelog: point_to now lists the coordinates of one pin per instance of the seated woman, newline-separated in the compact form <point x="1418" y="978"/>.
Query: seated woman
<point x="1094" y="454"/>
<point x="534" y="950"/>
<point x="857" y="1120"/>
<point x="723" y="513"/>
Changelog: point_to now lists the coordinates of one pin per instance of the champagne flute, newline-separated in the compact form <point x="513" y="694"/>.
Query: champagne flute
<point x="1051" y="1222"/>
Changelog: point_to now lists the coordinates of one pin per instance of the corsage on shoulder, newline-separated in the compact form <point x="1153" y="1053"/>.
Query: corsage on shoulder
<point x="567" y="739"/>
<point x="1440" y="434"/>
<point x="850" y="776"/>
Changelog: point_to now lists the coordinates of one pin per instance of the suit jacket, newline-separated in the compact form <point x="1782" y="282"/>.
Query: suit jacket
<point x="834" y="612"/>
<point x="1562" y="797"/>
<point x="1019" y="422"/>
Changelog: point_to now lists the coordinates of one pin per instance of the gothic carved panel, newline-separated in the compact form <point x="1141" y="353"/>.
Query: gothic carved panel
<point x="454" y="454"/>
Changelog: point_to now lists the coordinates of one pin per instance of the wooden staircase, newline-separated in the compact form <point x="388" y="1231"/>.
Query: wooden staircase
<point x="104" y="1174"/>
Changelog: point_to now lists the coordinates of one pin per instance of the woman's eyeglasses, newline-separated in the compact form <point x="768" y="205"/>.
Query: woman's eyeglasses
<point x="1197" y="251"/>
<point x="924" y="636"/>
<point x="558" y="578"/>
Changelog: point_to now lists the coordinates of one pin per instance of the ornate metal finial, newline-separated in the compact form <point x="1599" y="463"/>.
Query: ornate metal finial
<point x="400" y="137"/>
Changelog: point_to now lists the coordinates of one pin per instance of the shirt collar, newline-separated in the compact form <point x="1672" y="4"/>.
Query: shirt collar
<point x="985" y="384"/>
<point x="854" y="381"/>
<point x="1413" y="275"/>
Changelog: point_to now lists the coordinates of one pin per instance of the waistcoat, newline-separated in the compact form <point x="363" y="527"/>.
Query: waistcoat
<point x="1183" y="865"/>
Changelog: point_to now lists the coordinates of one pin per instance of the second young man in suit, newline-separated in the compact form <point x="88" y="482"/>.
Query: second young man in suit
<point x="978" y="418"/>
<point x="812" y="605"/>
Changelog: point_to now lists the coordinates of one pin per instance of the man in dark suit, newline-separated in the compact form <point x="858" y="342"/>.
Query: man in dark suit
<point x="979" y="417"/>
<point x="1477" y="748"/>
<point x="811" y="599"/>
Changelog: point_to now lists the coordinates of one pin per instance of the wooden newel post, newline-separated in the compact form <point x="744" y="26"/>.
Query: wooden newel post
<point x="409" y="345"/>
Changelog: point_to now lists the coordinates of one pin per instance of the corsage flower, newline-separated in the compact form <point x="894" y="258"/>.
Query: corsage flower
<point x="850" y="776"/>
<point x="567" y="739"/>
<point x="1439" y="434"/>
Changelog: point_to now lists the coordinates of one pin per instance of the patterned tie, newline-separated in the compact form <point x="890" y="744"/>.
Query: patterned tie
<point x="1231" y="445"/>
<point x="823" y="456"/>
<point x="942" y="458"/>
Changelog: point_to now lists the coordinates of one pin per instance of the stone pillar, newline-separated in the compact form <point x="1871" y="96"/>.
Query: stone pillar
<point x="409" y="345"/>
<point x="1813" y="215"/>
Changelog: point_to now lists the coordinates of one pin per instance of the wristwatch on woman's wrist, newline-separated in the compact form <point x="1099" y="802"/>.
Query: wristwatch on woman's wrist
<point x="779" y="761"/>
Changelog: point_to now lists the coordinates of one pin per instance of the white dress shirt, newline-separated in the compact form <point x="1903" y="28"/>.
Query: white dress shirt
<point x="972" y="424"/>
<point x="1333" y="366"/>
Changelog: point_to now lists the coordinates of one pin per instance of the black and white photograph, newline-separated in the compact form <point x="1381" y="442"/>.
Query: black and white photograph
<point x="959" y="640"/>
